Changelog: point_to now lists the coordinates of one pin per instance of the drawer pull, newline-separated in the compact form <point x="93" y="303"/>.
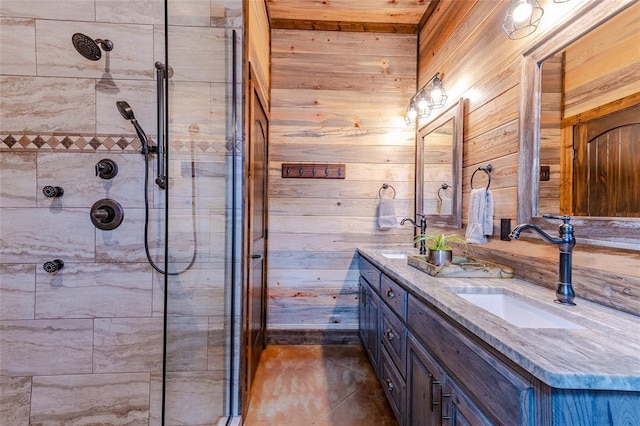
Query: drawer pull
<point x="390" y="294"/>
<point x="389" y="334"/>
<point x="434" y="402"/>
<point x="390" y="385"/>
<point x="443" y="405"/>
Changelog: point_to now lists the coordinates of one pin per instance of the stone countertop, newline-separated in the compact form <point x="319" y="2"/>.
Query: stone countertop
<point x="604" y="355"/>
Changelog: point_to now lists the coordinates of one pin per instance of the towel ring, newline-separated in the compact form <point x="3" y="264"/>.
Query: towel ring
<point x="443" y="186"/>
<point x="487" y="169"/>
<point x="386" y="186"/>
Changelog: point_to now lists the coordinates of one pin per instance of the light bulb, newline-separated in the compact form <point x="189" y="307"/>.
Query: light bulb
<point x="522" y="11"/>
<point x="436" y="93"/>
<point x="423" y="102"/>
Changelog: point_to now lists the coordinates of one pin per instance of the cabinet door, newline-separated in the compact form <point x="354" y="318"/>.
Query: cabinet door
<point x="362" y="312"/>
<point x="368" y="321"/>
<point x="424" y="379"/>
<point x="458" y="409"/>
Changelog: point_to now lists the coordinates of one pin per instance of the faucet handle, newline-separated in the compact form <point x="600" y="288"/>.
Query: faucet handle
<point x="564" y="218"/>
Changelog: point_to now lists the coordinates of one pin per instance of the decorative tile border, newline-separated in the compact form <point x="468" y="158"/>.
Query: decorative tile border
<point x="69" y="143"/>
<point x="125" y="144"/>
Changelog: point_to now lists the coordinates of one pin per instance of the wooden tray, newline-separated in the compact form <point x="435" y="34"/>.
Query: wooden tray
<point x="461" y="267"/>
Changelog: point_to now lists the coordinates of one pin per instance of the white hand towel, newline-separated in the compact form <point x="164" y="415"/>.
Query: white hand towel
<point x="387" y="214"/>
<point x="487" y="222"/>
<point x="477" y="214"/>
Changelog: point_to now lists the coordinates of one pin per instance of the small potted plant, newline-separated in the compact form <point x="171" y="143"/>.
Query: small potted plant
<point x="439" y="245"/>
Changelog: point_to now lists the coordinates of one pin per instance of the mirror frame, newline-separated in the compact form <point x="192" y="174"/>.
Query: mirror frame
<point x="456" y="113"/>
<point x="602" y="231"/>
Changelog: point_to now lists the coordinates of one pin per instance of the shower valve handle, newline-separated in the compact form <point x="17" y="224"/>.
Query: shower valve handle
<point x="52" y="191"/>
<point x="106" y="168"/>
<point x="53" y="266"/>
<point x="102" y="215"/>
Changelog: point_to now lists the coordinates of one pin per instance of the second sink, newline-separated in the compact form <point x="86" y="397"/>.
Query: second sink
<point x="516" y="311"/>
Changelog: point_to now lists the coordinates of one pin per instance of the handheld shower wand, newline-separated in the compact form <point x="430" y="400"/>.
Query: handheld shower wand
<point x="127" y="113"/>
<point x="161" y="180"/>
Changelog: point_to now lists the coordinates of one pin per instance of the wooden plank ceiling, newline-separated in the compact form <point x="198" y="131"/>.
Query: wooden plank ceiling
<point x="388" y="16"/>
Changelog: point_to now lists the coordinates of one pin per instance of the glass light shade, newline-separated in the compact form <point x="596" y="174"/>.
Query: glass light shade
<point x="522" y="18"/>
<point x="412" y="114"/>
<point x="437" y="96"/>
<point x="422" y="101"/>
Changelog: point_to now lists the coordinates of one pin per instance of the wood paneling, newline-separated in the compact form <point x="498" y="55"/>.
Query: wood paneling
<point x="551" y="107"/>
<point x="480" y="63"/>
<point x="340" y="97"/>
<point x="259" y="44"/>
<point x="599" y="66"/>
<point x="336" y="98"/>
<point x="382" y="16"/>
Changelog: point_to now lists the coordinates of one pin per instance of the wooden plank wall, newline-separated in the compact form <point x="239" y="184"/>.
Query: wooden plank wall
<point x="258" y="44"/>
<point x="550" y="117"/>
<point x="480" y="63"/>
<point x="464" y="41"/>
<point x="598" y="69"/>
<point x="337" y="97"/>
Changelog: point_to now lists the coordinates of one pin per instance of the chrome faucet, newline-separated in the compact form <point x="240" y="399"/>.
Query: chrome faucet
<point x="423" y="229"/>
<point x="565" y="242"/>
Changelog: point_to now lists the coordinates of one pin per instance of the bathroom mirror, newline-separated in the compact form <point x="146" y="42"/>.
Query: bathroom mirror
<point x="439" y="168"/>
<point x="587" y="70"/>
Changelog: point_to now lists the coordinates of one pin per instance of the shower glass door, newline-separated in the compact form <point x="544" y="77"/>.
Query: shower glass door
<point x="204" y="167"/>
<point x="117" y="292"/>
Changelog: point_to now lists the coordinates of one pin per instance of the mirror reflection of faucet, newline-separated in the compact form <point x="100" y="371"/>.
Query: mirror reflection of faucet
<point x="423" y="229"/>
<point x="565" y="243"/>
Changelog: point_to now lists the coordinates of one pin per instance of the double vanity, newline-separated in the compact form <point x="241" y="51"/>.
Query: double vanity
<point x="494" y="351"/>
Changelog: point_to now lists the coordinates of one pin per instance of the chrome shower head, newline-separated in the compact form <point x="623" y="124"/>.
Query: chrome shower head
<point x="88" y="47"/>
<point x="126" y="112"/>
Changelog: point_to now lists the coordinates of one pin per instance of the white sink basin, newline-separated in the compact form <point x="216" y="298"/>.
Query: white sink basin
<point x="516" y="311"/>
<point x="394" y="254"/>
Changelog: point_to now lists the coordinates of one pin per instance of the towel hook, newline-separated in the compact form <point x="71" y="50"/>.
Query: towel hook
<point x="487" y="169"/>
<point x="387" y="186"/>
<point x="443" y="186"/>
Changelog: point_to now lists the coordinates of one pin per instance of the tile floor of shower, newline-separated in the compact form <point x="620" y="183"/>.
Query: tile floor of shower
<point x="317" y="385"/>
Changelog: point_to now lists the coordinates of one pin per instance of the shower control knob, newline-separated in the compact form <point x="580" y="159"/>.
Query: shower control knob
<point x="106" y="214"/>
<point x="53" y="266"/>
<point x="103" y="215"/>
<point x="106" y="168"/>
<point x="52" y="191"/>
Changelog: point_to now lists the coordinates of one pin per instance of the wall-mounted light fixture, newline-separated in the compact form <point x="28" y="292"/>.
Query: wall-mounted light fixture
<point x="522" y="18"/>
<point x="430" y="96"/>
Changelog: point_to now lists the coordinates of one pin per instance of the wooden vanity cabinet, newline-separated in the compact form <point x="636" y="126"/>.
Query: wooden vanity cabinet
<point x="432" y="372"/>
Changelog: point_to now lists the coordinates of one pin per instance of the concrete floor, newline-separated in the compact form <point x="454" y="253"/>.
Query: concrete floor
<point x="317" y="385"/>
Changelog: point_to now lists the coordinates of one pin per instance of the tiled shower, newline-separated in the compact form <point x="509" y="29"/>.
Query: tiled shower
<point x="95" y="342"/>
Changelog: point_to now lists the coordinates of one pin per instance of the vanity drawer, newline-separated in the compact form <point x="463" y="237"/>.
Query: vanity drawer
<point x="393" y="385"/>
<point x="394" y="296"/>
<point x="369" y="273"/>
<point x="393" y="335"/>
